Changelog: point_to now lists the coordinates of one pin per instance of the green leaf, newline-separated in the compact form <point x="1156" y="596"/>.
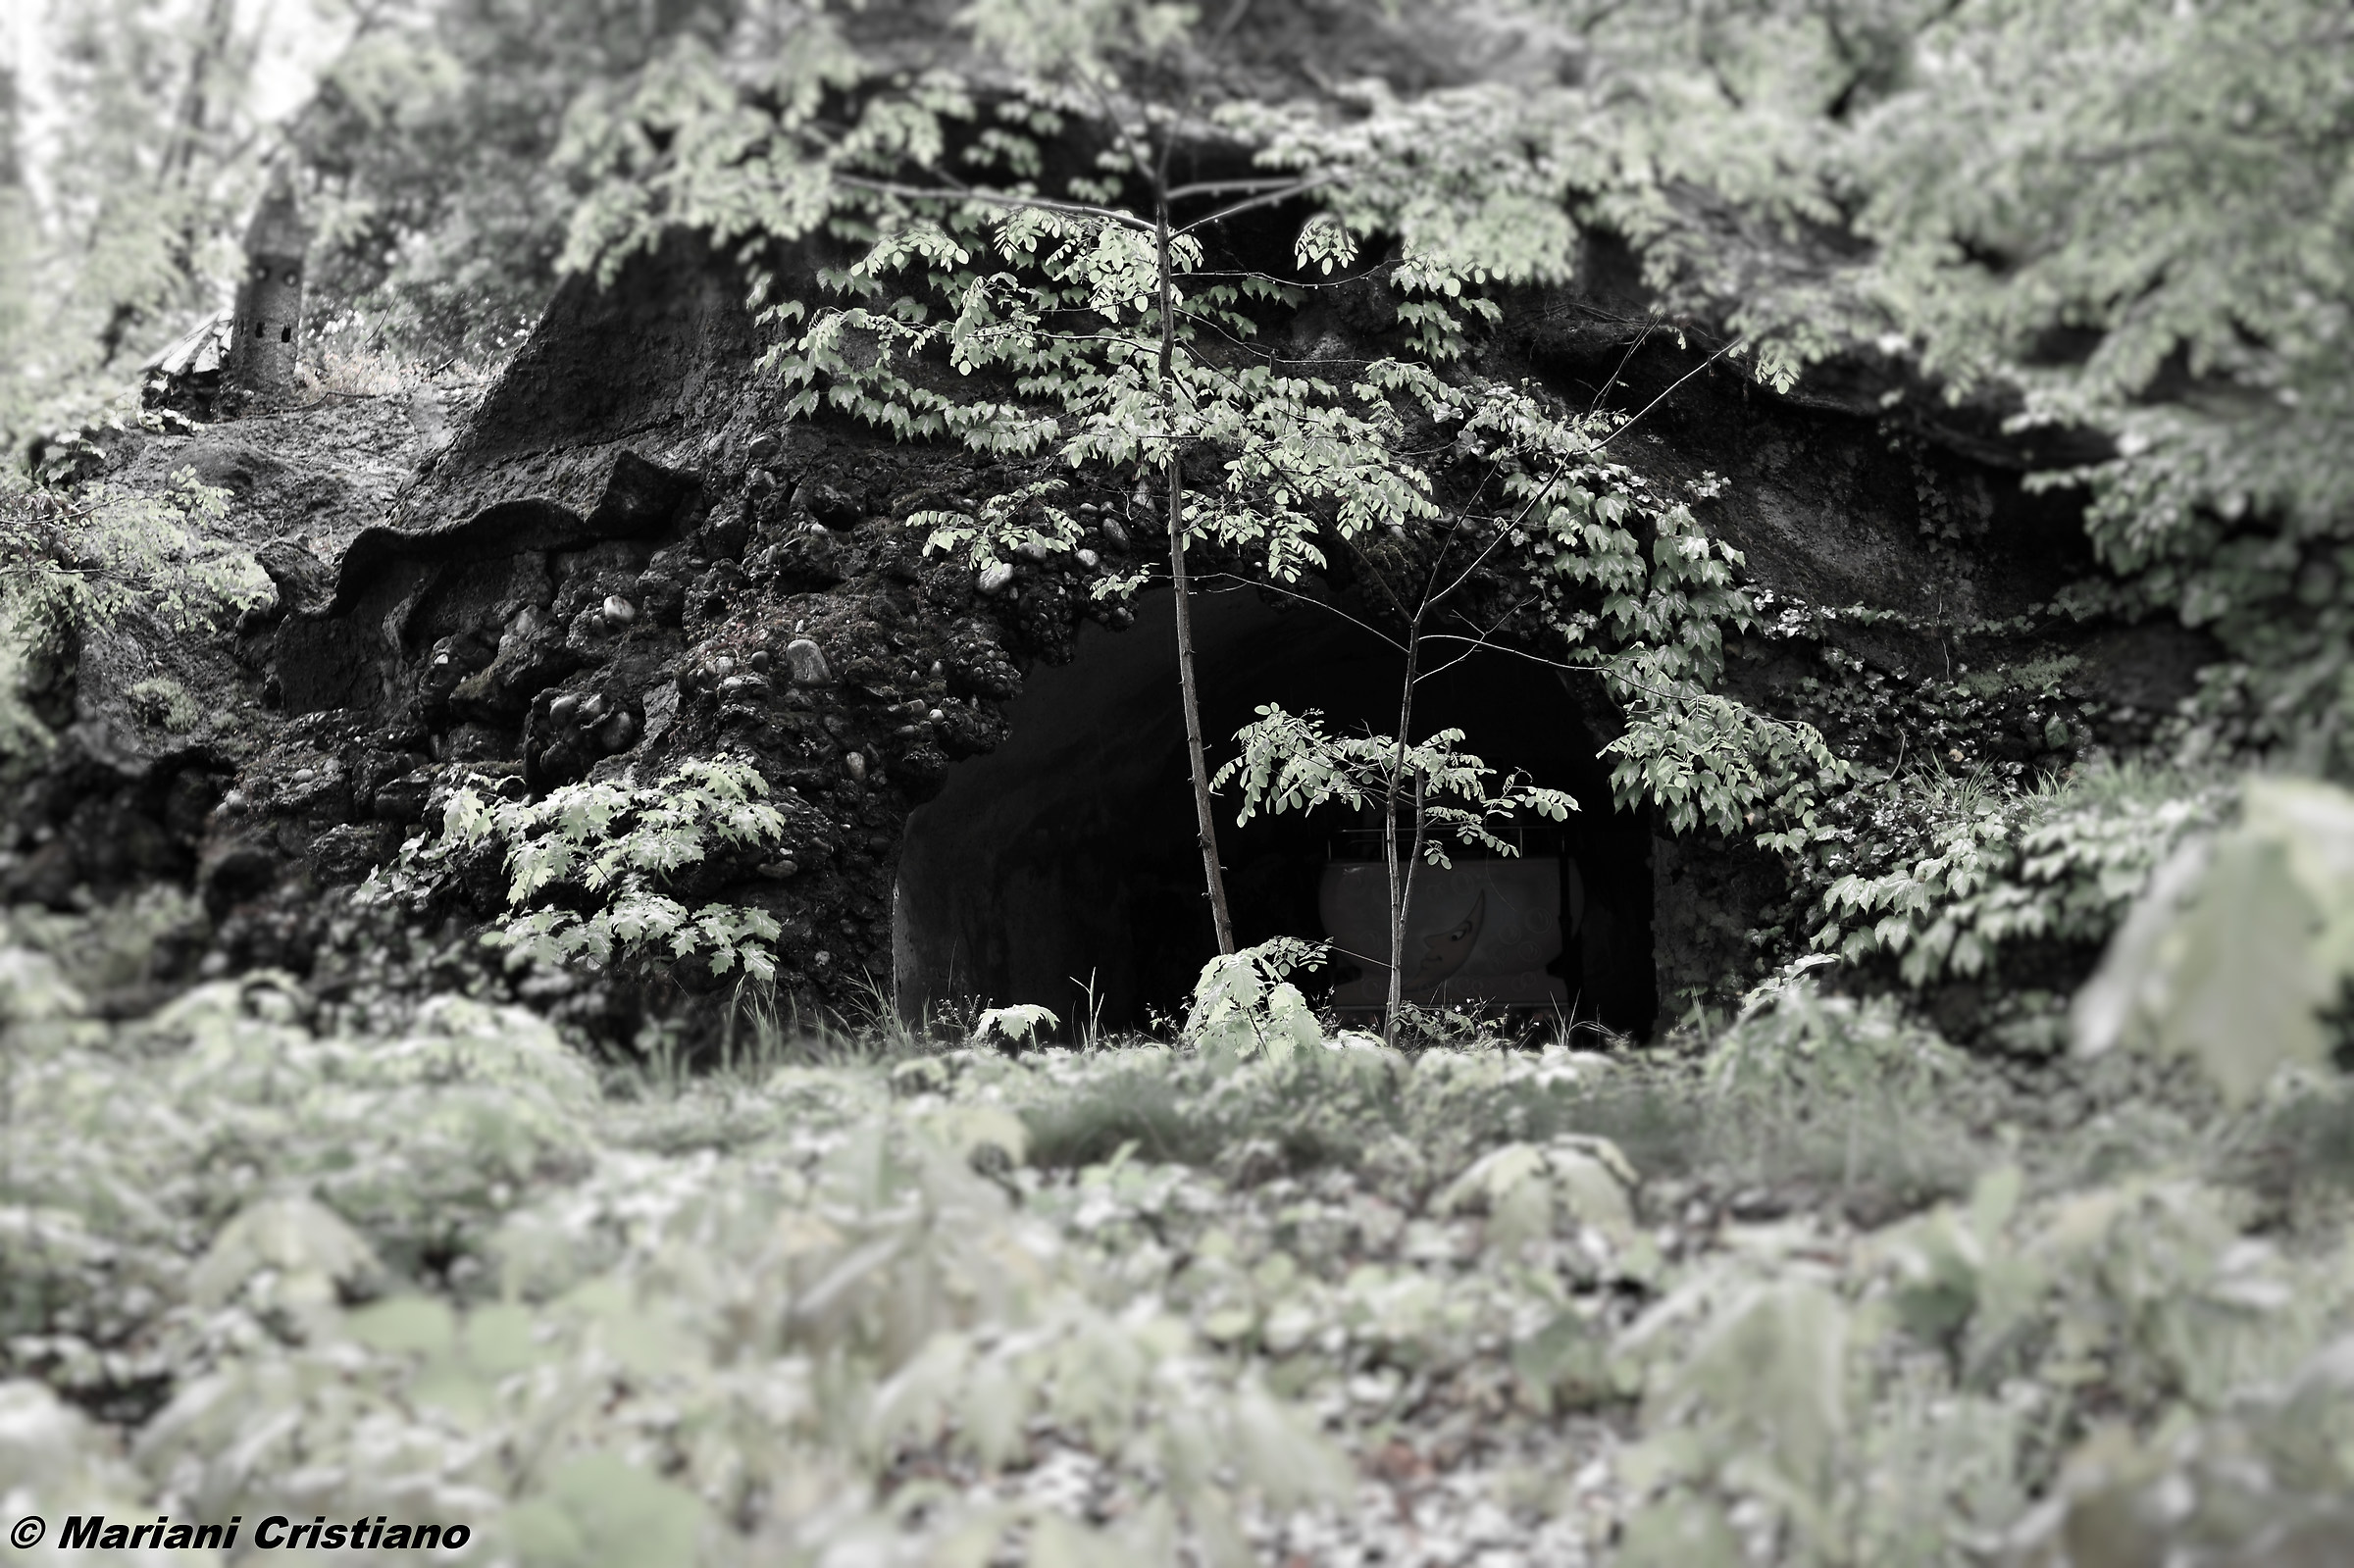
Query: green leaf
<point x="1774" y="1363"/>
<point x="1017" y="1023"/>
<point x="2219" y="962"/>
<point x="2243" y="986"/>
<point x="1681" y="1530"/>
<point x="599" y="1511"/>
<point x="307" y="1246"/>
<point x="405" y="1324"/>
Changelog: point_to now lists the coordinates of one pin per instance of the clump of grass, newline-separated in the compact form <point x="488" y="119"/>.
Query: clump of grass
<point x="1139" y="1102"/>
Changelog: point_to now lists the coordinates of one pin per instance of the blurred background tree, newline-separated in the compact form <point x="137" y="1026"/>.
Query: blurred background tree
<point x="135" y="135"/>
<point x="430" y="142"/>
<point x="131" y="152"/>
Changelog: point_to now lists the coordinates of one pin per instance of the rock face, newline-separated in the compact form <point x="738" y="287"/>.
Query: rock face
<point x="627" y="556"/>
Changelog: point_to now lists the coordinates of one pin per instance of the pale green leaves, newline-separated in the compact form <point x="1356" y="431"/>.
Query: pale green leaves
<point x="1020" y="521"/>
<point x="599" y="1511"/>
<point x="1477" y="184"/>
<point x="1715" y="761"/>
<point x="1017" y="1023"/>
<point x="1992" y="866"/>
<point x="1075" y="38"/>
<point x="1324" y="243"/>
<point x="1291" y="762"/>
<point x="1655" y="643"/>
<point x="459" y="1359"/>
<point x="1679" y="1530"/>
<point x="714" y="1358"/>
<point x="1242" y="1008"/>
<point x="303" y="1249"/>
<point x="617" y="847"/>
<point x="113" y="551"/>
<point x="1959" y="1280"/>
<point x="692" y="142"/>
<point x="1755" y="1406"/>
<point x="1771" y="1369"/>
<point x="1522" y="1186"/>
<point x="2273" y="1471"/>
<point x="2237" y="943"/>
<point x="969" y="1129"/>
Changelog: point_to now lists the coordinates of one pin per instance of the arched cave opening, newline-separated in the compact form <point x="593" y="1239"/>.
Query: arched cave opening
<point x="1066" y="859"/>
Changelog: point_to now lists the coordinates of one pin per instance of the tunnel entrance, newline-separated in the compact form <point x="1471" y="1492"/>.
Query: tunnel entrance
<point x="1066" y="858"/>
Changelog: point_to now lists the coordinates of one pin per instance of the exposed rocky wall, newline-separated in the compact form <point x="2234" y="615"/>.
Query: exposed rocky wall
<point x="625" y="557"/>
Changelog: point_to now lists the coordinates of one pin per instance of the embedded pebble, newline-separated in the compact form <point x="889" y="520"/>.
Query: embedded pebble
<point x="996" y="579"/>
<point x="618" y="732"/>
<point x="564" y="707"/>
<point x="1034" y="549"/>
<point x="807" y="663"/>
<point x="779" y="869"/>
<point x="1114" y="531"/>
<point x="1090" y="559"/>
<point x="856" y="763"/>
<point x="619" y="611"/>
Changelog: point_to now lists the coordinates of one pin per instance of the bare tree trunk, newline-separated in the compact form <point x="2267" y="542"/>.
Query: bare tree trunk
<point x="212" y="42"/>
<point x="1402" y="886"/>
<point x="175" y="171"/>
<point x="1182" y="587"/>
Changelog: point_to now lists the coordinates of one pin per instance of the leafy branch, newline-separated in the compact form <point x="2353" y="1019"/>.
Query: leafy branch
<point x="589" y="863"/>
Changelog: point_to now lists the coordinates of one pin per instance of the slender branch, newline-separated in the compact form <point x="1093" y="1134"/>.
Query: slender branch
<point x="1079" y="208"/>
<point x="1663" y="396"/>
<point x="1195" y="753"/>
<point x="1219" y="187"/>
<point x="1562" y="466"/>
<point x="1303" y="283"/>
<point x="1478" y="641"/>
<point x="1145" y="168"/>
<point x="1602" y="670"/>
<point x="1272" y="198"/>
<point x="1400" y="889"/>
<point x="1504" y="530"/>
<point x="1603" y="391"/>
<point x="1241" y="581"/>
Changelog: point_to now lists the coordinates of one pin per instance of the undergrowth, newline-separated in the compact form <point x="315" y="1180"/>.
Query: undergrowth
<point x="1824" y="1289"/>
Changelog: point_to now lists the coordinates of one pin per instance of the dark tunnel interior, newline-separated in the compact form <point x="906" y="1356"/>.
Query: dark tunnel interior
<point x="1066" y="858"/>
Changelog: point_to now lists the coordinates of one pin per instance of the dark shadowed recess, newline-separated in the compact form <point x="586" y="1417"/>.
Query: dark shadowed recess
<point x="1061" y="868"/>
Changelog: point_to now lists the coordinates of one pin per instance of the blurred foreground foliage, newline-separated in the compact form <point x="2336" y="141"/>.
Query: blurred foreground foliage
<point x="1826" y="1290"/>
